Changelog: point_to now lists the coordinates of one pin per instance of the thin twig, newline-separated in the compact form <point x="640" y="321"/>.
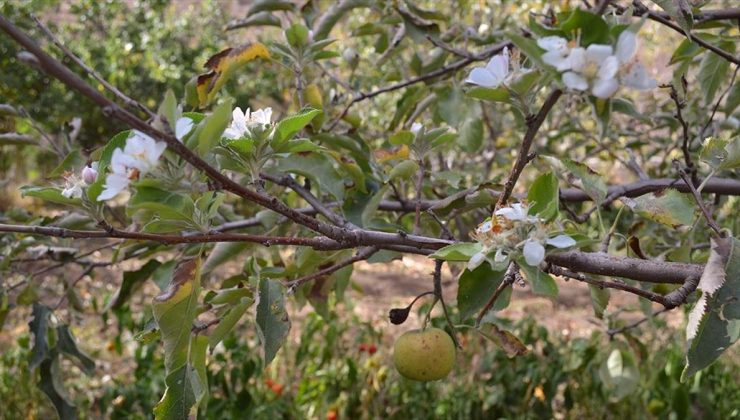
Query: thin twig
<point x="604" y="284"/>
<point x="614" y="331"/>
<point x="509" y="278"/>
<point x="451" y="68"/>
<point x="361" y="255"/>
<point x="438" y="294"/>
<point x="680" y="104"/>
<point x="642" y="9"/>
<point x="699" y="201"/>
<point x="719" y="100"/>
<point x="533" y="125"/>
<point x="114" y="90"/>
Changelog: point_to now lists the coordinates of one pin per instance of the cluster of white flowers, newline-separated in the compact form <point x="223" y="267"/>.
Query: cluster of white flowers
<point x="138" y="157"/>
<point x="512" y="229"/>
<point x="242" y="122"/>
<point x="75" y="184"/>
<point x="598" y="68"/>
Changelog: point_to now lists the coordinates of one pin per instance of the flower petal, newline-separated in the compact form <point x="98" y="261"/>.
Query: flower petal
<point x="534" y="253"/>
<point x="183" y="127"/>
<point x="482" y="77"/>
<point x="114" y="184"/>
<point x="574" y="81"/>
<point x="239" y="120"/>
<point x="553" y="43"/>
<point x="476" y="260"/>
<point x="626" y="46"/>
<point x="605" y="88"/>
<point x="637" y="78"/>
<point x="557" y="60"/>
<point x="561" y="241"/>
<point x="609" y="68"/>
<point x="598" y="52"/>
<point x="577" y="59"/>
<point x="499" y="65"/>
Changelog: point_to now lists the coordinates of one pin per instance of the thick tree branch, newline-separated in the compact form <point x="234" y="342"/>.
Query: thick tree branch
<point x="631" y="268"/>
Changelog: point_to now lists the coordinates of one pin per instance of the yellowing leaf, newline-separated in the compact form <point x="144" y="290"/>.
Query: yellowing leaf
<point x="223" y="65"/>
<point x="668" y="207"/>
<point x="386" y="155"/>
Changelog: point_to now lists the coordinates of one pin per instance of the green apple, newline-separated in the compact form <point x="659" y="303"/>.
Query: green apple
<point x="424" y="355"/>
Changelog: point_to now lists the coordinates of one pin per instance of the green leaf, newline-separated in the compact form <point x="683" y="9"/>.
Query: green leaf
<point x="624" y="106"/>
<point x="714" y="322"/>
<point x="602" y="109"/>
<point x="333" y="14"/>
<point x="298" y="146"/>
<point x="221" y="253"/>
<point x="524" y="82"/>
<point x="270" y="5"/>
<point x="244" y="147"/>
<point x="180" y="397"/>
<point x="131" y="281"/>
<point x="471" y="135"/>
<point x="38" y="326"/>
<point x="402" y="137"/>
<point x="713" y="71"/>
<point x="489" y="94"/>
<point x="668" y="207"/>
<point x="168" y="108"/>
<point x="50" y="382"/>
<point x="403" y="170"/>
<point x="319" y="169"/>
<point x="476" y="287"/>
<point x="680" y="12"/>
<point x="273" y="324"/>
<point x="297" y="35"/>
<point x="686" y="51"/>
<point x="544" y="196"/>
<point x="228" y="321"/>
<point x="67" y="344"/>
<point x="290" y="126"/>
<point x="721" y="154"/>
<point x="581" y="176"/>
<point x="372" y="205"/>
<point x="599" y="299"/>
<point x="733" y="99"/>
<point x="72" y="162"/>
<point x="53" y="195"/>
<point x="594" y="30"/>
<point x="542" y="283"/>
<point x="175" y="309"/>
<point x="210" y="131"/>
<point x="457" y="252"/>
<point x="619" y="374"/>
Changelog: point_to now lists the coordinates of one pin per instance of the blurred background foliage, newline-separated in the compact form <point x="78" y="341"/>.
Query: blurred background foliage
<point x="345" y="374"/>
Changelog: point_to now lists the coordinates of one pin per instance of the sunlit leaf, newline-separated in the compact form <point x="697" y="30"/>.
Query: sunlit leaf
<point x="714" y="322"/>
<point x="457" y="252"/>
<point x="223" y="65"/>
<point x="273" y="324"/>
<point x="619" y="374"/>
<point x="544" y="196"/>
<point x="668" y="207"/>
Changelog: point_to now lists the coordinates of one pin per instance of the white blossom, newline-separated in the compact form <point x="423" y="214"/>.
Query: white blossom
<point x="476" y="260"/>
<point x="416" y="128"/>
<point x="594" y="67"/>
<point x="73" y="186"/>
<point x="517" y="212"/>
<point x="493" y="74"/>
<point x="242" y="121"/>
<point x="598" y="68"/>
<point x="557" y="52"/>
<point x="183" y="126"/>
<point x="139" y="156"/>
<point x="534" y="250"/>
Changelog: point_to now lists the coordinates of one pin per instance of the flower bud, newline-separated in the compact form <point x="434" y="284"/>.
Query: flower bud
<point x="89" y="175"/>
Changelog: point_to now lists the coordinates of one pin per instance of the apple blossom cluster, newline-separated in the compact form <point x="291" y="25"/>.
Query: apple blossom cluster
<point x="138" y="157"/>
<point x="512" y="230"/>
<point x="598" y="68"/>
<point x="243" y="122"/>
